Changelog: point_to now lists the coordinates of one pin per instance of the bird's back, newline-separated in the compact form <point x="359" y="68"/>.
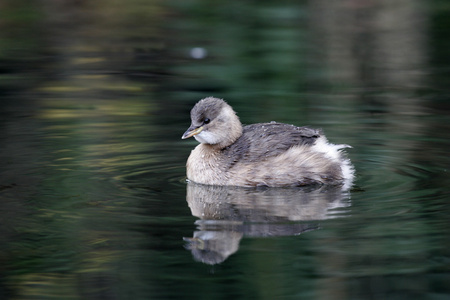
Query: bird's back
<point x="264" y="140"/>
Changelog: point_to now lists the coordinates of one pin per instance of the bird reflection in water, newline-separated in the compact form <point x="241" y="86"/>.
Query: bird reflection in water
<point x="227" y="214"/>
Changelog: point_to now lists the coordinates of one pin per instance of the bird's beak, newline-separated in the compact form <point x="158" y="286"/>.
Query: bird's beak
<point x="195" y="243"/>
<point x="192" y="131"/>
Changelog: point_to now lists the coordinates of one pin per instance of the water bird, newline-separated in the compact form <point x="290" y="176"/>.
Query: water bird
<point x="263" y="154"/>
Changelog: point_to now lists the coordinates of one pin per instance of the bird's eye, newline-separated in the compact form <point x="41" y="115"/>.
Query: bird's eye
<point x="206" y="121"/>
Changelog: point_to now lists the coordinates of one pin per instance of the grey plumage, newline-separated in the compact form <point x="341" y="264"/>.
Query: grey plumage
<point x="263" y="154"/>
<point x="264" y="140"/>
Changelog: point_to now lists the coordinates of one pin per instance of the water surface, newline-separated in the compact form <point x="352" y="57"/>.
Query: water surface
<point x="93" y="198"/>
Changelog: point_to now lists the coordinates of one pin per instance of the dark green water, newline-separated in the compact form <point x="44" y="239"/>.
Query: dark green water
<point x="95" y="98"/>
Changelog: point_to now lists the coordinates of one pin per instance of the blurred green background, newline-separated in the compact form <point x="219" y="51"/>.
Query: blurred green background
<point x="95" y="96"/>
